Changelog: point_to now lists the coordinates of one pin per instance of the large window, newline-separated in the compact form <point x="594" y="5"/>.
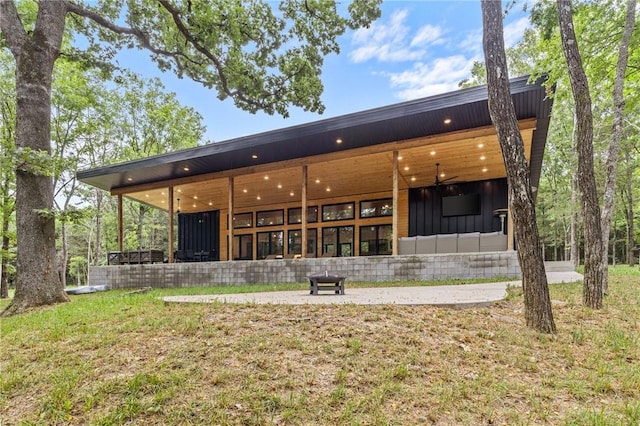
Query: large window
<point x="295" y="242"/>
<point x="375" y="240"/>
<point x="342" y="211"/>
<point x="270" y="243"/>
<point x="337" y="241"/>
<point x="270" y="218"/>
<point x="243" y="220"/>
<point x="243" y="247"/>
<point x="376" y="208"/>
<point x="295" y="215"/>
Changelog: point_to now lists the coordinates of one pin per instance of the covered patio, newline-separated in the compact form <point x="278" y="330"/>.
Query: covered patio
<point x="349" y="186"/>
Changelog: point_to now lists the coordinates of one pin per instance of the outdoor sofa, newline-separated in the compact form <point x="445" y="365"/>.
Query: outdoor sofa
<point x="470" y="242"/>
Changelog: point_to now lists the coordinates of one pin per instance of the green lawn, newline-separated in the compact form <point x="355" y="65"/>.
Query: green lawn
<point x="117" y="358"/>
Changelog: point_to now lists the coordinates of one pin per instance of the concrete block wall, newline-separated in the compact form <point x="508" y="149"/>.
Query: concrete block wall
<point x="365" y="268"/>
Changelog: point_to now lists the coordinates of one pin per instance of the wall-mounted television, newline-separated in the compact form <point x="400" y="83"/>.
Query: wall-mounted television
<point x="461" y="205"/>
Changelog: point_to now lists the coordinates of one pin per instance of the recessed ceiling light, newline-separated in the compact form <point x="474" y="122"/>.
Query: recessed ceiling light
<point x="317" y="180"/>
<point x="146" y="195"/>
<point x="244" y="190"/>
<point x="279" y="186"/>
<point x="162" y="193"/>
<point x="195" y="197"/>
<point x="484" y="169"/>
<point x="447" y="121"/>
<point x="254" y="156"/>
<point x="194" y="204"/>
<point x="291" y="193"/>
<point x="406" y="168"/>
<point x="162" y="201"/>
<point x="179" y="190"/>
<point x="433" y="153"/>
<point x="210" y="203"/>
<point x="413" y="178"/>
<point x="129" y="179"/>
<point x="482" y="157"/>
<point x="338" y="141"/>
<point x="258" y="198"/>
<point x="399" y="157"/>
<point x="266" y="178"/>
<point x="442" y="175"/>
<point x="480" y="145"/>
<point x="186" y="169"/>
<point x="328" y="189"/>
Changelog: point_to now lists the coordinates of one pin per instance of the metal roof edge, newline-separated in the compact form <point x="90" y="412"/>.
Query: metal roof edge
<point x="388" y="112"/>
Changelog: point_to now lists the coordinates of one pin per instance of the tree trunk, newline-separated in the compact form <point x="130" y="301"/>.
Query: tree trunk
<point x="4" y="248"/>
<point x="575" y="246"/>
<point x="593" y="280"/>
<point x="4" y="275"/>
<point x="537" y="303"/>
<point x="628" y="210"/>
<point x="616" y="136"/>
<point x="64" y="256"/>
<point x="7" y="206"/>
<point x="37" y="282"/>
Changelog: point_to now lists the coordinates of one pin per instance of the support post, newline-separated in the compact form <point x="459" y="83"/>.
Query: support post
<point x="394" y="222"/>
<point x="230" y="231"/>
<point x="303" y="215"/>
<point x="120" y="225"/>
<point x="171" y="224"/>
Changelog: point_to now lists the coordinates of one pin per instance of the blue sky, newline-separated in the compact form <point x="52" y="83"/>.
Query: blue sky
<point x="416" y="49"/>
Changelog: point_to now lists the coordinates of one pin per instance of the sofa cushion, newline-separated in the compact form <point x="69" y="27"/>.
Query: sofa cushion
<point x="447" y="243"/>
<point x="407" y="245"/>
<point x="493" y="241"/>
<point x="469" y="242"/>
<point x="425" y="244"/>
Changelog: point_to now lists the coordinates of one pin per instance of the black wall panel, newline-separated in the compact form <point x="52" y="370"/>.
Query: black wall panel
<point x="425" y="214"/>
<point x="200" y="232"/>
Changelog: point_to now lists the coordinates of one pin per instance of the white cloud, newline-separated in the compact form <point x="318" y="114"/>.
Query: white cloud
<point x="440" y="76"/>
<point x="392" y="41"/>
<point x="429" y="34"/>
<point x="438" y="61"/>
<point x="514" y="31"/>
<point x="472" y="42"/>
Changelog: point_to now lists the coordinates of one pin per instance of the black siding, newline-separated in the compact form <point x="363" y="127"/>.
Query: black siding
<point x="200" y="232"/>
<point x="425" y="215"/>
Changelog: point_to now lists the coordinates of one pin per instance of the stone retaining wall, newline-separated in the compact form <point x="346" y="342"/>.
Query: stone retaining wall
<point x="365" y="268"/>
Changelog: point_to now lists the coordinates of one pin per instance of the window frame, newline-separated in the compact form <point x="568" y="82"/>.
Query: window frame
<point x="314" y="208"/>
<point x="390" y="202"/>
<point x="236" y="216"/>
<point x="309" y="231"/>
<point x="377" y="240"/>
<point x="277" y="223"/>
<point x="238" y="245"/>
<point x="271" y="250"/>
<point x="338" y="246"/>
<point x="350" y="203"/>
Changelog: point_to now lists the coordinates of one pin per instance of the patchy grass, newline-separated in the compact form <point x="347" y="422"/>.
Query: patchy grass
<point x="112" y="358"/>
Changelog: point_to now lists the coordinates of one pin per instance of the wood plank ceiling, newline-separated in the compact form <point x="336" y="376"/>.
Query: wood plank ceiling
<point x="463" y="156"/>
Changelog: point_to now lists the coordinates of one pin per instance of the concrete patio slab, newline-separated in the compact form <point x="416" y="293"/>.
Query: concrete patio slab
<point x="455" y="296"/>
